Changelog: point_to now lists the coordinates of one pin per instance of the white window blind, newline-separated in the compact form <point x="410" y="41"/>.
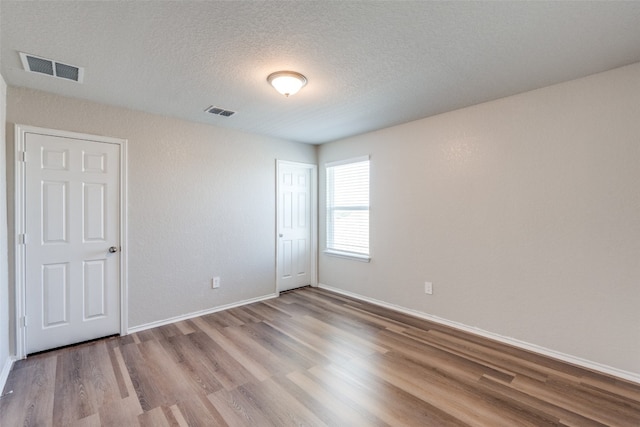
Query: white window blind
<point x="348" y="207"/>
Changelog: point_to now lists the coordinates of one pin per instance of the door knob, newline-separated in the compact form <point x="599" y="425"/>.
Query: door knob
<point x="280" y="235"/>
<point x="113" y="249"/>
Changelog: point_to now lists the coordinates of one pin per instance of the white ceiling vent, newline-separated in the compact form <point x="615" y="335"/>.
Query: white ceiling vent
<point x="219" y="111"/>
<point x="36" y="64"/>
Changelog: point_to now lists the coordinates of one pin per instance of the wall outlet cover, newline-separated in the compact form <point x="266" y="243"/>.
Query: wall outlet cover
<point x="428" y="288"/>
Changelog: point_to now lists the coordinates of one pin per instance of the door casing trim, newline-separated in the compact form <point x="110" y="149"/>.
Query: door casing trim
<point x="20" y="227"/>
<point x="314" y="219"/>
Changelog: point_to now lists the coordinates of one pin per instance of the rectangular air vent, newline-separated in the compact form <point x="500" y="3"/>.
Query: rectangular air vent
<point x="36" y="64"/>
<point x="219" y="111"/>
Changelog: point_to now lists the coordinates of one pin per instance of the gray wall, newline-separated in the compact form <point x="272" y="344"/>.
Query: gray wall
<point x="201" y="202"/>
<point x="524" y="213"/>
<point x="5" y="303"/>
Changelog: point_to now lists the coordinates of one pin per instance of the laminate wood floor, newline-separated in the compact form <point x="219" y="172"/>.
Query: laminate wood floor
<point x="313" y="358"/>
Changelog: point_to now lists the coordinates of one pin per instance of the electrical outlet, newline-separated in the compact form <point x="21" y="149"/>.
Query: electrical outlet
<point x="215" y="282"/>
<point x="428" y="288"/>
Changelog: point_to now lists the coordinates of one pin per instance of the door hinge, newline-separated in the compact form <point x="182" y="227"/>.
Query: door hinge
<point x="24" y="321"/>
<point x="22" y="239"/>
<point x="22" y="156"/>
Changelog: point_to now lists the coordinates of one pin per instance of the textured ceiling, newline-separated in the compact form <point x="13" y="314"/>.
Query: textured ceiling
<point x="370" y="64"/>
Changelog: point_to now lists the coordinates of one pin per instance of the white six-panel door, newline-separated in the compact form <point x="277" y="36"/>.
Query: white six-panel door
<point x="72" y="233"/>
<point x="295" y="225"/>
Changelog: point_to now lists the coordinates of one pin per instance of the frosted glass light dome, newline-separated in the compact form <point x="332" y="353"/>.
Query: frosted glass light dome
<point x="287" y="82"/>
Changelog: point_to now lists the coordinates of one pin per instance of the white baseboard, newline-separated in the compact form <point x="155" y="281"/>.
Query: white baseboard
<point x="609" y="370"/>
<point x="198" y="313"/>
<point x="4" y="375"/>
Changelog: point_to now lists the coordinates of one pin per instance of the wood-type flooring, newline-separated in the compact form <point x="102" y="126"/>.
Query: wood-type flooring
<point x="312" y="358"/>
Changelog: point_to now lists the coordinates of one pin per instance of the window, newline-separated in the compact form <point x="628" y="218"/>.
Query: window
<point x="348" y="208"/>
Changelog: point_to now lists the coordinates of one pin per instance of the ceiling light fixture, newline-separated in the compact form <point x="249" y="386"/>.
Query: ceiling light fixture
<point x="287" y="82"/>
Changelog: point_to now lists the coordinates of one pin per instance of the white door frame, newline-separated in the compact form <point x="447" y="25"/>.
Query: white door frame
<point x="20" y="226"/>
<point x="314" y="219"/>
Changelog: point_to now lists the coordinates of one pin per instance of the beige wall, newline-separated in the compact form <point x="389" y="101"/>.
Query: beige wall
<point x="201" y="202"/>
<point x="524" y="213"/>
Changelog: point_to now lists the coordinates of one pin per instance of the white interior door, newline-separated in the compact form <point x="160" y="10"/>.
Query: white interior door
<point x="72" y="240"/>
<point x="296" y="218"/>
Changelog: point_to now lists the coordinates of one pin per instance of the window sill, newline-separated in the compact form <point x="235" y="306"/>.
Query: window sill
<point x="347" y="255"/>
